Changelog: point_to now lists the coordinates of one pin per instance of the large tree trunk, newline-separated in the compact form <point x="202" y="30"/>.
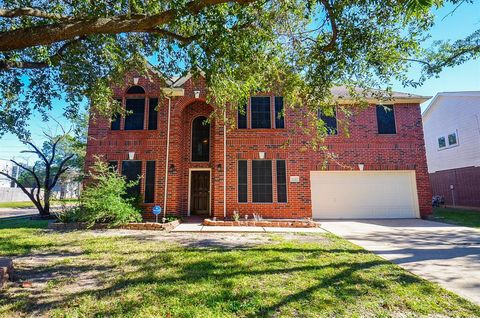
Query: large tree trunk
<point x="46" y="204"/>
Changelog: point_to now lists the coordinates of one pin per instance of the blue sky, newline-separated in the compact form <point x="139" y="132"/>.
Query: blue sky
<point x="465" y="77"/>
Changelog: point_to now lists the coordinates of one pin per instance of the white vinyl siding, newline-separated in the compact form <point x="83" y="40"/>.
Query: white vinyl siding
<point x="449" y="114"/>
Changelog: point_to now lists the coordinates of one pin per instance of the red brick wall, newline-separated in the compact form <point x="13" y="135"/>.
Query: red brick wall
<point x="404" y="150"/>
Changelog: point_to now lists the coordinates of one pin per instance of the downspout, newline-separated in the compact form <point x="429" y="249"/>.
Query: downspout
<point x="224" y="165"/>
<point x="166" y="158"/>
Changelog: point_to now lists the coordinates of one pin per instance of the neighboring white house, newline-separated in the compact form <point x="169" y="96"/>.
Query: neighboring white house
<point x="8" y="167"/>
<point x="451" y="126"/>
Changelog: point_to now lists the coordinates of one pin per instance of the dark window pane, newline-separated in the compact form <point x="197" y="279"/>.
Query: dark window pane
<point x="135" y="114"/>
<point x="136" y="90"/>
<point x="281" y="181"/>
<point x="150" y="182"/>
<point x="452" y="139"/>
<point x="262" y="181"/>
<point x="113" y="165"/>
<point x="260" y="112"/>
<point x="115" y="122"/>
<point x="200" y="139"/>
<point x="330" y="122"/>
<point x="441" y="142"/>
<point x="132" y="170"/>
<point x="242" y="181"/>
<point x="279" y="115"/>
<point x="152" y="114"/>
<point x="242" y="118"/>
<point x="386" y="120"/>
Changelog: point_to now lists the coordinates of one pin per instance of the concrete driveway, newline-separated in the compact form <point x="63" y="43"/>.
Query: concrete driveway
<point x="446" y="254"/>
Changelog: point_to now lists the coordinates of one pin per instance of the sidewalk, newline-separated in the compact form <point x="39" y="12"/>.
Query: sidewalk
<point x="6" y="213"/>
<point x="198" y="227"/>
<point x="17" y="212"/>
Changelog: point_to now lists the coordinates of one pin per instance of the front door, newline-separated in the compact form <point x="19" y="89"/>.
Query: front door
<point x="200" y="193"/>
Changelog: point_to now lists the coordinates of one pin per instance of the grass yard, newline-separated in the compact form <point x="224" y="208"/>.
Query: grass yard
<point x="28" y="204"/>
<point x="457" y="216"/>
<point x="125" y="274"/>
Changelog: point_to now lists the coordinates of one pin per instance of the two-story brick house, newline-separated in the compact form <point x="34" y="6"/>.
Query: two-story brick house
<point x="189" y="167"/>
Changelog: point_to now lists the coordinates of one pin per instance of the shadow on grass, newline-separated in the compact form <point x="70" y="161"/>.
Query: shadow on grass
<point x="22" y="223"/>
<point x="137" y="278"/>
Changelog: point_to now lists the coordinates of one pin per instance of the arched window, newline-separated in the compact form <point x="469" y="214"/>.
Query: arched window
<point x="200" y="139"/>
<point x="135" y="107"/>
<point x="136" y="90"/>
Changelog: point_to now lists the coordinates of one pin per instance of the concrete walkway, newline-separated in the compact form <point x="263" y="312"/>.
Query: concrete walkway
<point x="198" y="227"/>
<point x="446" y="254"/>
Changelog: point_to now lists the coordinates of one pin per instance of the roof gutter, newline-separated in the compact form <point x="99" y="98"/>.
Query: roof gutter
<point x="415" y="100"/>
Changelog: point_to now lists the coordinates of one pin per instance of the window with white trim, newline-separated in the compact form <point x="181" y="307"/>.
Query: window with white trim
<point x="447" y="141"/>
<point x="442" y="142"/>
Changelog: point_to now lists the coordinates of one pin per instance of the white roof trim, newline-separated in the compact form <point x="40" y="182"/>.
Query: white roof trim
<point x="183" y="79"/>
<point x="448" y="94"/>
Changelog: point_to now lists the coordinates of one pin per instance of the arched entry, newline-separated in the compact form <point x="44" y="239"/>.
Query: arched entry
<point x="200" y="139"/>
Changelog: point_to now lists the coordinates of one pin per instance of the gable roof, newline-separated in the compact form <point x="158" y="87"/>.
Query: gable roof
<point x="433" y="103"/>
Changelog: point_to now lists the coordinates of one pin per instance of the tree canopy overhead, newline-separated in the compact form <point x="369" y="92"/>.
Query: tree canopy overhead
<point x="77" y="48"/>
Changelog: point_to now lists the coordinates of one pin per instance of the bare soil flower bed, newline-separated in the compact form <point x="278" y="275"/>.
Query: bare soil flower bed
<point x="264" y="223"/>
<point x="151" y="226"/>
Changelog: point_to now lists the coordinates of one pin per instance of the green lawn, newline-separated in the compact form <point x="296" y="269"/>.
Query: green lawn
<point x="28" y="204"/>
<point x="457" y="216"/>
<point x="92" y="275"/>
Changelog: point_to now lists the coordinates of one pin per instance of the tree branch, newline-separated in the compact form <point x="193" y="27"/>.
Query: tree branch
<point x="8" y="64"/>
<point x="29" y="12"/>
<point x="36" y="151"/>
<point x="331" y="16"/>
<point x="60" y="171"/>
<point x="32" y="172"/>
<point x="28" y="194"/>
<point x="74" y="27"/>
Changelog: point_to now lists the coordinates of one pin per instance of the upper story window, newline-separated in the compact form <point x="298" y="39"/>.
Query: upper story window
<point x="138" y="109"/>
<point x="200" y="139"/>
<point x="451" y="140"/>
<point x="330" y="122"/>
<point x="152" y="113"/>
<point x="279" y="112"/>
<point x="442" y="143"/>
<point x="135" y="109"/>
<point x="136" y="90"/>
<point x="242" y="117"/>
<point x="386" y="120"/>
<point x="116" y="118"/>
<point x="260" y="113"/>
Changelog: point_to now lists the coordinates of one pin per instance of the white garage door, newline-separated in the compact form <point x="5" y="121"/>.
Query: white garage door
<point x="364" y="194"/>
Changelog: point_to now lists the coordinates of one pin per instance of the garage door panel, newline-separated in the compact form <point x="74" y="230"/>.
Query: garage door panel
<point x="363" y="194"/>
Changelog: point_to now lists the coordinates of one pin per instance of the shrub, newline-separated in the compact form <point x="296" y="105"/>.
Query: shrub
<point x="105" y="200"/>
<point x="69" y="214"/>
